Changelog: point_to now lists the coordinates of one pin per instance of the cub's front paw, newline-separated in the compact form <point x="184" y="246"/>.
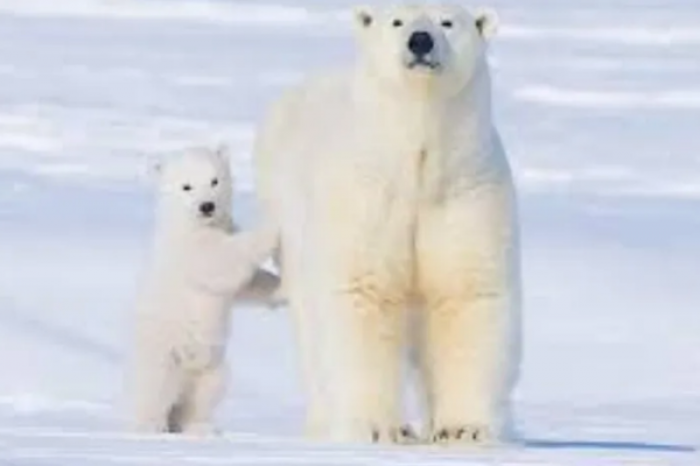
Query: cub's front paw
<point x="468" y="434"/>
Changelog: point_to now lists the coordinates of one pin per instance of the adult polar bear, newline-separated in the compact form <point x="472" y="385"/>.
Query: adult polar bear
<point x="394" y="194"/>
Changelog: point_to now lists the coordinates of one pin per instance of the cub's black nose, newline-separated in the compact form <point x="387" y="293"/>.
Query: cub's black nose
<point x="207" y="208"/>
<point x="421" y="43"/>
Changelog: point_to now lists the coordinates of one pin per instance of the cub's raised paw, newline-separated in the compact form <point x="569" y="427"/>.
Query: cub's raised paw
<point x="477" y="435"/>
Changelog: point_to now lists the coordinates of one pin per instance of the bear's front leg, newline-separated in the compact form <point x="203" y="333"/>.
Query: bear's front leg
<point x="365" y="337"/>
<point x="362" y="258"/>
<point x="469" y="278"/>
<point x="466" y="366"/>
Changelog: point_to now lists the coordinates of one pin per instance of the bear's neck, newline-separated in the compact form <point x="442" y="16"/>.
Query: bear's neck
<point x="428" y="121"/>
<point x="425" y="106"/>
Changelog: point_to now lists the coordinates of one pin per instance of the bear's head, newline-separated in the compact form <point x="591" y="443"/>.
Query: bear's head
<point x="195" y="187"/>
<point x="439" y="45"/>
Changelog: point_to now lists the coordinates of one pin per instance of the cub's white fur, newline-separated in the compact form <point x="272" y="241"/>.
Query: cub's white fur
<point x="199" y="266"/>
<point x="394" y="194"/>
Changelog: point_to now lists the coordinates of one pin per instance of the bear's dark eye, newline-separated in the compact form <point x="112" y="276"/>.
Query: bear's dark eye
<point x="447" y="24"/>
<point x="187" y="188"/>
<point x="397" y="23"/>
<point x="214" y="182"/>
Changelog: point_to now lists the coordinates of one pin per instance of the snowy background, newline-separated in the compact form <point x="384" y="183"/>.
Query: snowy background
<point x="598" y="102"/>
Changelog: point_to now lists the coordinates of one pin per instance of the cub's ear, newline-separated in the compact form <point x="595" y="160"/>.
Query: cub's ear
<point x="486" y="22"/>
<point x="364" y="17"/>
<point x="223" y="152"/>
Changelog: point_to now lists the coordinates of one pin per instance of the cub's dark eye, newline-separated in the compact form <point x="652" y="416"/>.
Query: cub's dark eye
<point x="187" y="188"/>
<point x="397" y="23"/>
<point x="447" y="24"/>
<point x="214" y="182"/>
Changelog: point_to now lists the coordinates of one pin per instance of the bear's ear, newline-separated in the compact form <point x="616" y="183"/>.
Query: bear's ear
<point x="364" y="17"/>
<point x="486" y="22"/>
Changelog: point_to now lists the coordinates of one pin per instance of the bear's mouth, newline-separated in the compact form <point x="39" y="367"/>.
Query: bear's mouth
<point x="423" y="63"/>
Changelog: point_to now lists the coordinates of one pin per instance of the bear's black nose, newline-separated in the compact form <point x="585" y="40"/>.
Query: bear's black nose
<point x="207" y="208"/>
<point x="421" y="43"/>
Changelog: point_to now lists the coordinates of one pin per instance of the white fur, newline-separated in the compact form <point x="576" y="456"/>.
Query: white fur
<point x="394" y="194"/>
<point x="199" y="266"/>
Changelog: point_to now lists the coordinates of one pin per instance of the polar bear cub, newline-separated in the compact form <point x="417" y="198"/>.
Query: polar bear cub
<point x="199" y="266"/>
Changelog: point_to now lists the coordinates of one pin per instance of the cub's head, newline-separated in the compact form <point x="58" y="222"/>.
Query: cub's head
<point x="439" y="45"/>
<point x="195" y="187"/>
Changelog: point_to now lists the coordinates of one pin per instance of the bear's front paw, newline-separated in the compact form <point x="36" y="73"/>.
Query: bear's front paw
<point x="403" y="435"/>
<point x="471" y="434"/>
<point x="377" y="434"/>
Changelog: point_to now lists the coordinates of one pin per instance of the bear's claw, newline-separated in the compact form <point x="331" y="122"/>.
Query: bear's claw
<point x="467" y="434"/>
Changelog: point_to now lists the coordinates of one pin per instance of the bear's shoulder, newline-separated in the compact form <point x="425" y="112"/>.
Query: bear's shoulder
<point x="322" y="90"/>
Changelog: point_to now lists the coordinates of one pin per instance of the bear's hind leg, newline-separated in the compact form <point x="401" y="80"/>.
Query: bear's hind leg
<point x="174" y="422"/>
<point x="314" y="378"/>
<point x="199" y="403"/>
<point x="156" y="391"/>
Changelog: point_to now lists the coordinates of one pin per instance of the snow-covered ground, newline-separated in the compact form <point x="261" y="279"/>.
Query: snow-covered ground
<point x="598" y="101"/>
